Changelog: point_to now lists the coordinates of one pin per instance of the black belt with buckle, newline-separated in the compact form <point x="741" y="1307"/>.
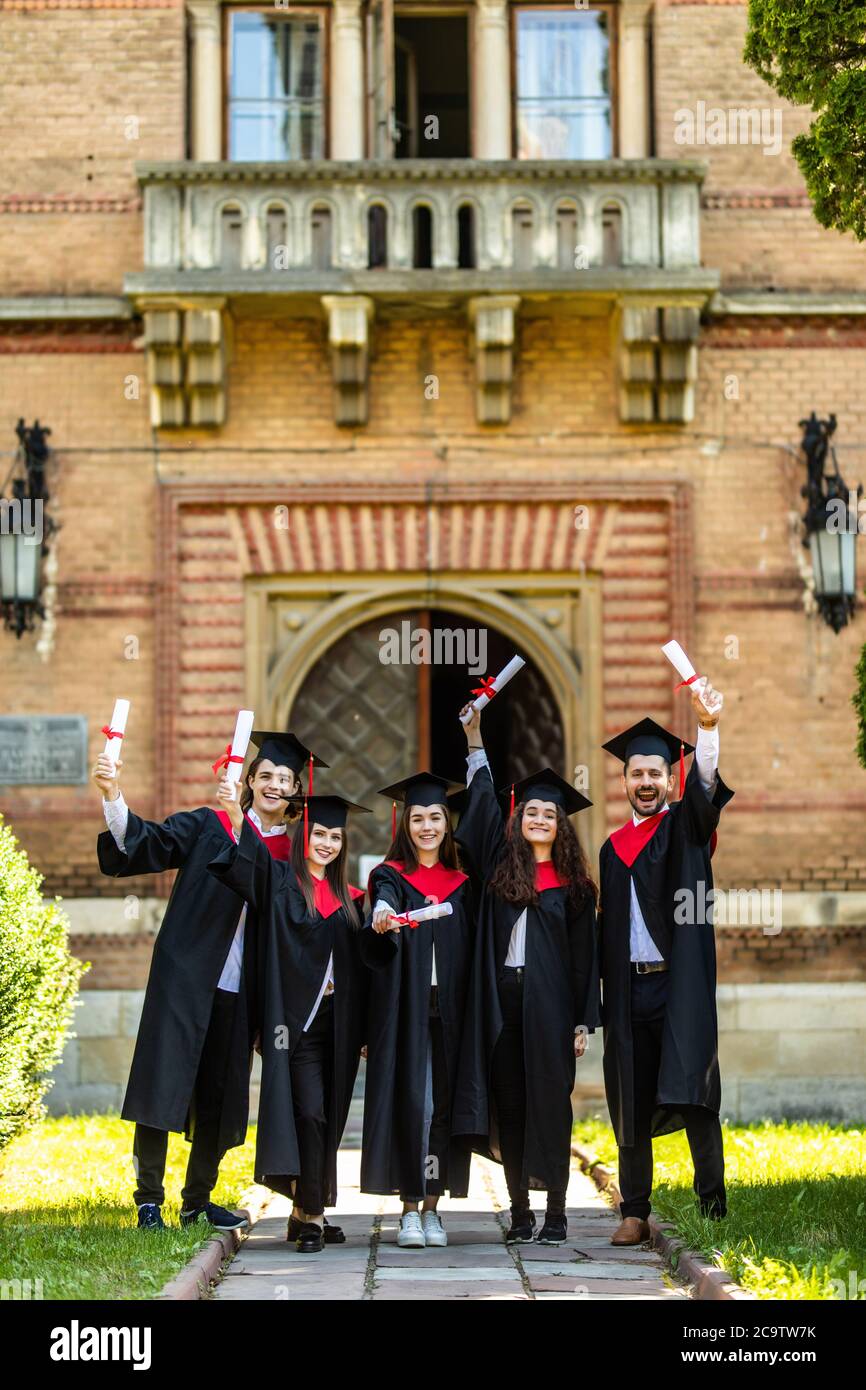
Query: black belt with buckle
<point x="649" y="967"/>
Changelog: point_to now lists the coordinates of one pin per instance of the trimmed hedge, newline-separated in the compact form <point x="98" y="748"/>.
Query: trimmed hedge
<point x="38" y="985"/>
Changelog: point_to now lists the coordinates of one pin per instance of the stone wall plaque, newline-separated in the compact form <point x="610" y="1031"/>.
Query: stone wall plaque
<point x="43" y="750"/>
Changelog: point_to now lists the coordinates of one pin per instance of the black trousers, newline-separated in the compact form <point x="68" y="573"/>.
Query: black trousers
<point x="312" y="1070"/>
<point x="508" y="1081"/>
<point x="439" y="1138"/>
<point x="703" y="1130"/>
<point x="150" y="1146"/>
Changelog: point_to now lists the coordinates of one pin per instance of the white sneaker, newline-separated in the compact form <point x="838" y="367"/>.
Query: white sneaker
<point x="411" y="1233"/>
<point x="434" y="1231"/>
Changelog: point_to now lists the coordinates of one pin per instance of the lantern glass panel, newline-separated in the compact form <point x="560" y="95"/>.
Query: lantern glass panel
<point x="28" y="562"/>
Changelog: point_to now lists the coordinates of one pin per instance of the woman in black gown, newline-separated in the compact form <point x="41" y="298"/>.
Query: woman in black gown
<point x="420" y="975"/>
<point x="535" y="993"/>
<point x="314" y="993"/>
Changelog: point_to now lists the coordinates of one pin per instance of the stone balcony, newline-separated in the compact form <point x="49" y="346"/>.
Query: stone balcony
<point x="347" y="240"/>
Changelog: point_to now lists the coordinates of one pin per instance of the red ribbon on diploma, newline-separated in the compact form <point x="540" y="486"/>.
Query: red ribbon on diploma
<point x="225" y="758"/>
<point x="110" y="733"/>
<point x="690" y="680"/>
<point x="485" y="688"/>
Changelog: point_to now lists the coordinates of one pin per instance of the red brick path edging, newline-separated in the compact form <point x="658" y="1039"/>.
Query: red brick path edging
<point x="707" y="1281"/>
<point x="205" y="1268"/>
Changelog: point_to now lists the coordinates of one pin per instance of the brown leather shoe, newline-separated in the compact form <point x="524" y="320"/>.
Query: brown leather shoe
<point x="632" y="1231"/>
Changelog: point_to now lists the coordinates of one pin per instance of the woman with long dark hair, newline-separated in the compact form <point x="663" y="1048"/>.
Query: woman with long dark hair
<point x="535" y="992"/>
<point x="314" y="992"/>
<point x="420" y="973"/>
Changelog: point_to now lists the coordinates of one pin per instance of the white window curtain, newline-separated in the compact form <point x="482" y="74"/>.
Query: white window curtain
<point x="276" y="98"/>
<point x="563" y="85"/>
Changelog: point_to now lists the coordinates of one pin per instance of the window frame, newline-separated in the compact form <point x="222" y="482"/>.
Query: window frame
<point x="323" y="14"/>
<point x="610" y="8"/>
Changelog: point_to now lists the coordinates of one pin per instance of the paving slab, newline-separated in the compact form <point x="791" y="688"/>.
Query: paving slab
<point x="476" y="1264"/>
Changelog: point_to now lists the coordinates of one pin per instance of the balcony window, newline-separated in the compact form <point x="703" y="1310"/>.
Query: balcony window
<point x="377" y="237"/>
<point x="522" y="238"/>
<point x="276" y="107"/>
<point x="566" y="238"/>
<point x="231" y="238"/>
<point x="611" y="235"/>
<point x="321" y="238"/>
<point x="466" y="237"/>
<point x="277" y="233"/>
<point x="563" y="107"/>
<point x="422" y="238"/>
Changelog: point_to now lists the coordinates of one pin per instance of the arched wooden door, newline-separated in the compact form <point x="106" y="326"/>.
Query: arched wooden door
<point x="375" y="721"/>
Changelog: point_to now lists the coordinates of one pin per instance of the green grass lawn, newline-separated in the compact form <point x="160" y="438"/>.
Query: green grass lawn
<point x="67" y="1216"/>
<point x="796" y="1205"/>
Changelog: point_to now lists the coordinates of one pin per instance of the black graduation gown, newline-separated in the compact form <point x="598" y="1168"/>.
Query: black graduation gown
<point x="188" y="957"/>
<point x="294" y="950"/>
<point x="560" y="991"/>
<point x="392" y="1154"/>
<point x="676" y="857"/>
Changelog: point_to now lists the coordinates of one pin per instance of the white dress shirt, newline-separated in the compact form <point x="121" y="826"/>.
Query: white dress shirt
<point x="641" y="945"/>
<point x="117" y="819"/>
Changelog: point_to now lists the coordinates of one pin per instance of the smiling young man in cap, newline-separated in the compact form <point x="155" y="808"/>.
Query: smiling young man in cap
<point x="661" y="1067"/>
<point x="191" y="1065"/>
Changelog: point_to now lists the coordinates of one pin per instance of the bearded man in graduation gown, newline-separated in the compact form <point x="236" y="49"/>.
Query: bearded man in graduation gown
<point x="658" y="962"/>
<point x="191" y="1064"/>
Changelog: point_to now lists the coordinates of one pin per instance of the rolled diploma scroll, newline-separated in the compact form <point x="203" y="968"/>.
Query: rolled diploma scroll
<point x="240" y="742"/>
<point x="684" y="668"/>
<point x="118" y="724"/>
<point x="424" y="914"/>
<point x="515" y="664"/>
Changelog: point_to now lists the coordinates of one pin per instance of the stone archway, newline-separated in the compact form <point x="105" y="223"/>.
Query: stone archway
<point x="374" y="721"/>
<point x="553" y="622"/>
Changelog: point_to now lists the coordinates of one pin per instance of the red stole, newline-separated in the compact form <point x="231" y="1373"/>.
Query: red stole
<point x="630" y="839"/>
<point x="279" y="846"/>
<point x="434" y="880"/>
<point x="326" y="899"/>
<point x="547" y="877"/>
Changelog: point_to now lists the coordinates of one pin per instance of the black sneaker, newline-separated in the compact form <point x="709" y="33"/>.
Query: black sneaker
<point x="522" y="1228"/>
<point x="311" y="1238"/>
<point x="334" y="1235"/>
<point x="218" y="1217"/>
<point x="150" y="1217"/>
<point x="553" y="1232"/>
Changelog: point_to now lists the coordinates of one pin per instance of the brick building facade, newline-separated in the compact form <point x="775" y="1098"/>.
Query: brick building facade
<point x="549" y="383"/>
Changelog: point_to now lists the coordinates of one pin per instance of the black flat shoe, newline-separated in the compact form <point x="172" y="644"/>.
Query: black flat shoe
<point x="334" y="1235"/>
<point x="522" y="1229"/>
<point x="553" y="1232"/>
<point x="310" y="1239"/>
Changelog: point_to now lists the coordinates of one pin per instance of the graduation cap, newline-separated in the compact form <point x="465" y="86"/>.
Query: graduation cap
<point x="651" y="739"/>
<point x="283" y="748"/>
<point x="421" y="789"/>
<point x="546" y="785"/>
<point x="331" y="810"/>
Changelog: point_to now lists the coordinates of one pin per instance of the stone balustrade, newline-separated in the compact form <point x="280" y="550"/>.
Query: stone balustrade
<point x="422" y="214"/>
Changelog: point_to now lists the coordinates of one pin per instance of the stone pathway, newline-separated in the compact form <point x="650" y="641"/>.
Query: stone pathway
<point x="475" y="1264"/>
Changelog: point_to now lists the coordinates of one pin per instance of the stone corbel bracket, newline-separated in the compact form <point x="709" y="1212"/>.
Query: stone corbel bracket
<point x="492" y="323"/>
<point x="187" y="349"/>
<point x="657" y="355"/>
<point x="349" y="319"/>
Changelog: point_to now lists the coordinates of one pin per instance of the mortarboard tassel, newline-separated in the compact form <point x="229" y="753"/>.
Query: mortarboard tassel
<point x="306" y="816"/>
<point x="511" y="807"/>
<point x="393" y="821"/>
<point x="682" y="769"/>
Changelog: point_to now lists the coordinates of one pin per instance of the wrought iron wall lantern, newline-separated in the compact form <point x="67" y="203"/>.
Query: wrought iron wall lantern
<point x="831" y="522"/>
<point x="25" y="529"/>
